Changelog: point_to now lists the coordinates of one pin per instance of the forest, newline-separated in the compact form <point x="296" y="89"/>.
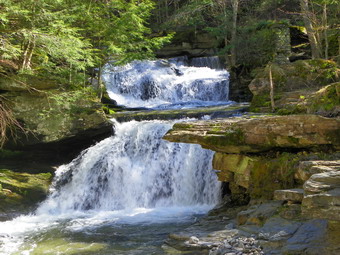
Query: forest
<point x="140" y="127"/>
<point x="68" y="40"/>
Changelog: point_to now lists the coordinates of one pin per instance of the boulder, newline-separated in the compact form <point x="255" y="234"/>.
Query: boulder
<point x="21" y="191"/>
<point x="296" y="75"/>
<point x="322" y="182"/>
<point x="322" y="196"/>
<point x="258" y="214"/>
<point x="292" y="195"/>
<point x="259" y="134"/>
<point x="258" y="175"/>
<point x="55" y="115"/>
<point x="26" y="83"/>
<point x="234" y="167"/>
<point x="299" y="87"/>
<point x="307" y="168"/>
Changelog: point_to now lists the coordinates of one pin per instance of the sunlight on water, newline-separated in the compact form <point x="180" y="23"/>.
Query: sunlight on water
<point x="155" y="84"/>
<point x="133" y="178"/>
<point x="125" y="194"/>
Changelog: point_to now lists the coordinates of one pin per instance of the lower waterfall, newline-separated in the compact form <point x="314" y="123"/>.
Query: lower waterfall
<point x="126" y="183"/>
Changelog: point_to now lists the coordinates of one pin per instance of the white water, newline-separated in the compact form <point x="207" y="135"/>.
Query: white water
<point x="131" y="182"/>
<point x="133" y="177"/>
<point x="159" y="84"/>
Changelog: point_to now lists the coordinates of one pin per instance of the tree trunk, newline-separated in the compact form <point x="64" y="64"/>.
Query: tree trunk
<point x="28" y="53"/>
<point x="271" y="88"/>
<point x="306" y="14"/>
<point x="325" y="28"/>
<point x="166" y="9"/>
<point x="235" y="4"/>
<point x="100" y="86"/>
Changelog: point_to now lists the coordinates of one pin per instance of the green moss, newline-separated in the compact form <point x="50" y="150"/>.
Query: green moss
<point x="259" y="101"/>
<point x="292" y="109"/>
<point x="183" y="125"/>
<point x="22" y="189"/>
<point x="108" y="110"/>
<point x="270" y="174"/>
<point x="293" y="140"/>
<point x="232" y="137"/>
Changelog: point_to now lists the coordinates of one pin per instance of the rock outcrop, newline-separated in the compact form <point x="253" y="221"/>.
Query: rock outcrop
<point x="259" y="134"/>
<point x="56" y="123"/>
<point x="260" y="154"/>
<point x="304" y="86"/>
<point x="322" y="194"/>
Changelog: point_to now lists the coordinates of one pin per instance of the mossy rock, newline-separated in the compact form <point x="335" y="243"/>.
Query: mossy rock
<point x="260" y="134"/>
<point x="302" y="78"/>
<point x="26" y="82"/>
<point x="258" y="176"/>
<point x="56" y="115"/>
<point x="20" y="191"/>
<point x="325" y="102"/>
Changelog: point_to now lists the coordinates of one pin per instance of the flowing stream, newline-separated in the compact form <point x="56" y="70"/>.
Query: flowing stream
<point x="125" y="194"/>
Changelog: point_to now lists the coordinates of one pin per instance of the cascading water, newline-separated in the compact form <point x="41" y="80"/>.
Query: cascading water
<point x="133" y="177"/>
<point x="170" y="84"/>
<point x="126" y="193"/>
<point x="135" y="169"/>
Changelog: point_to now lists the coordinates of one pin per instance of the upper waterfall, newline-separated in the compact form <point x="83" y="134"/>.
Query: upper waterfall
<point x="162" y="83"/>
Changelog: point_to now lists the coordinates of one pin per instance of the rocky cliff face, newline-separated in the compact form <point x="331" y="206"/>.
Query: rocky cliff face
<point x="54" y="121"/>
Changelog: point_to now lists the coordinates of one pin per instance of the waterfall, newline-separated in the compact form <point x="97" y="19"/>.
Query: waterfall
<point x="131" y="181"/>
<point x="213" y="62"/>
<point x="135" y="169"/>
<point x="158" y="83"/>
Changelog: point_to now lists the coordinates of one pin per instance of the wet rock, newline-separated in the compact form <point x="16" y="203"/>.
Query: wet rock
<point x="291" y="211"/>
<point x="214" y="112"/>
<point x="258" y="214"/>
<point x="293" y="195"/>
<point x="277" y="228"/>
<point x="308" y="239"/>
<point x="230" y="226"/>
<point x="21" y="191"/>
<point x="237" y="245"/>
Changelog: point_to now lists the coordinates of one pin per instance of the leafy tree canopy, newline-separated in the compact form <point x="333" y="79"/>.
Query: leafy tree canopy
<point x="66" y="37"/>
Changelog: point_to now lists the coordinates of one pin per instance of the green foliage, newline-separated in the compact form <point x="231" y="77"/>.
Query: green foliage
<point x="255" y="53"/>
<point x="70" y="102"/>
<point x="63" y="39"/>
<point x="271" y="174"/>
